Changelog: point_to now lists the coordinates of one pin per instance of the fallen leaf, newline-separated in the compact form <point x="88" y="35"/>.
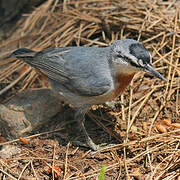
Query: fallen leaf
<point x="23" y="70"/>
<point x="161" y="128"/>
<point x="57" y="171"/>
<point x="167" y="122"/>
<point x="24" y="141"/>
<point x="176" y="125"/>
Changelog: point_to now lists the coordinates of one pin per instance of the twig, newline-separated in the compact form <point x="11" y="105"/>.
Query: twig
<point x="15" y="81"/>
<point x="23" y="170"/>
<point x="4" y="172"/>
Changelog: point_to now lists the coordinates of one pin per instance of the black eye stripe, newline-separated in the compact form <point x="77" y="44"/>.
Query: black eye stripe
<point x="128" y="60"/>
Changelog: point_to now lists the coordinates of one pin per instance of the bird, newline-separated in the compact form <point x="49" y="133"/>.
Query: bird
<point x="85" y="76"/>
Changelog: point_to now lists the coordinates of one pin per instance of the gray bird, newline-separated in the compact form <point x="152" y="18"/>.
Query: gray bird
<point x="84" y="76"/>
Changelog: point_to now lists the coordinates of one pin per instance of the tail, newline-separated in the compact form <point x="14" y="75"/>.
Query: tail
<point x="28" y="56"/>
<point x="23" y="54"/>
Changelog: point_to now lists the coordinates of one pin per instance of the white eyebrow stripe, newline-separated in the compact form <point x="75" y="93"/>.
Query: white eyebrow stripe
<point x="140" y="61"/>
<point x="128" y="59"/>
<point x="134" y="61"/>
<point x="150" y="57"/>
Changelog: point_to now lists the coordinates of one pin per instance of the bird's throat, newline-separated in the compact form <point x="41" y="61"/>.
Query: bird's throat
<point x="122" y="81"/>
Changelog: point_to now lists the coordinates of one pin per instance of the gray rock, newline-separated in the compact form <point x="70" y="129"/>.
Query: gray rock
<point x="27" y="111"/>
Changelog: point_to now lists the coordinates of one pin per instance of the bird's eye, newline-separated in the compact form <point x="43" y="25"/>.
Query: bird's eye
<point x="119" y="56"/>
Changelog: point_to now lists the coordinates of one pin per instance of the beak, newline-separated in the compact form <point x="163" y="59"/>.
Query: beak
<point x="151" y="70"/>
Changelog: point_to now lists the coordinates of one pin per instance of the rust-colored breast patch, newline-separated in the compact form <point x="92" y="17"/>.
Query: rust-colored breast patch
<point x="122" y="81"/>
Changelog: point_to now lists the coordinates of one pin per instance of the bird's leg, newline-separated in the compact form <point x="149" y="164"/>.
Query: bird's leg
<point x="80" y="117"/>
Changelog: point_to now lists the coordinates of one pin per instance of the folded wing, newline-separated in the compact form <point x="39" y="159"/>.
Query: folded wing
<point x="81" y="70"/>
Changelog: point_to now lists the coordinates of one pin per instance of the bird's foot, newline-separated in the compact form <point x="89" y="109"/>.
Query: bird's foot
<point x="90" y="144"/>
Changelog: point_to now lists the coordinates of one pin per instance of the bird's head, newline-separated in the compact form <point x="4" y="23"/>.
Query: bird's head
<point x="130" y="56"/>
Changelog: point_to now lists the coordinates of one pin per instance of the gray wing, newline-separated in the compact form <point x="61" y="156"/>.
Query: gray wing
<point x="82" y="70"/>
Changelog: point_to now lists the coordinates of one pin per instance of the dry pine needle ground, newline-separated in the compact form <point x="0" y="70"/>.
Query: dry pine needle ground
<point x="150" y="147"/>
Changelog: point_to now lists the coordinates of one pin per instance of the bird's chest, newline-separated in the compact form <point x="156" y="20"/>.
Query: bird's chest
<point x="121" y="82"/>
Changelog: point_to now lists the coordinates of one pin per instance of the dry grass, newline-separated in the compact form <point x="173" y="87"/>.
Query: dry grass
<point x="148" y="101"/>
